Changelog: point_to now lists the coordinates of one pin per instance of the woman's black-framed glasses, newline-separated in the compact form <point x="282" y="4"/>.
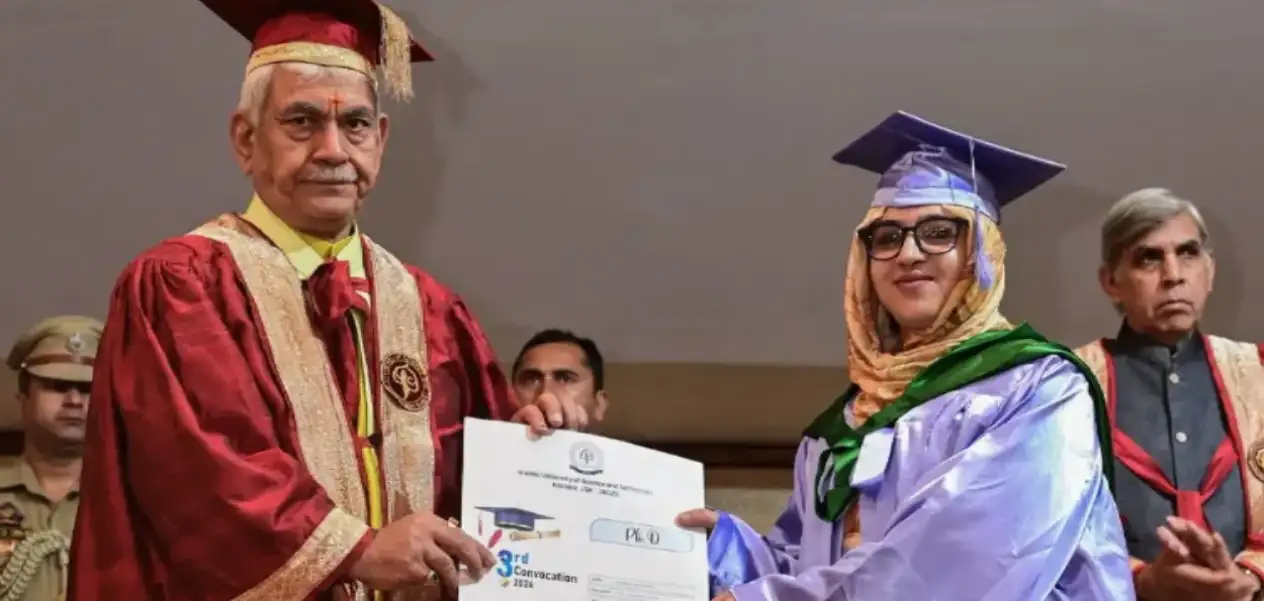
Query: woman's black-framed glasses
<point x="883" y="240"/>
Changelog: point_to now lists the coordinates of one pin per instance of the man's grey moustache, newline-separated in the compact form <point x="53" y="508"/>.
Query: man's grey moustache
<point x="329" y="180"/>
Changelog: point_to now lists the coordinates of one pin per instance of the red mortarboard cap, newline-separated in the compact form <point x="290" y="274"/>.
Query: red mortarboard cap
<point x="352" y="34"/>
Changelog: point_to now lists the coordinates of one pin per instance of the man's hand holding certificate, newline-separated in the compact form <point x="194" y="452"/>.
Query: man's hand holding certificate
<point x="574" y="516"/>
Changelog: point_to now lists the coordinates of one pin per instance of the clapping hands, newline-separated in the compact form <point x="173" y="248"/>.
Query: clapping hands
<point x="1194" y="564"/>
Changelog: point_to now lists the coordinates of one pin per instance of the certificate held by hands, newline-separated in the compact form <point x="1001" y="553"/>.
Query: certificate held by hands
<point x="579" y="517"/>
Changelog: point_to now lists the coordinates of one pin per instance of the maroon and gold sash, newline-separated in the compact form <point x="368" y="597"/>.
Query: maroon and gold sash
<point x="325" y="433"/>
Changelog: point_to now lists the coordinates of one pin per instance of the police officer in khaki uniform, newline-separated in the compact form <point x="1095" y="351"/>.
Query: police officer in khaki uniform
<point x="39" y="491"/>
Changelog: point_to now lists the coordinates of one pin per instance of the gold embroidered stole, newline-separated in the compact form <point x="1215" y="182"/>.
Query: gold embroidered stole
<point x="301" y="362"/>
<point x="1239" y="374"/>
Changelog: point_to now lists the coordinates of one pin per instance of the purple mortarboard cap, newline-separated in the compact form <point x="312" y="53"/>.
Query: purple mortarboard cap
<point x="514" y="518"/>
<point x="922" y="163"/>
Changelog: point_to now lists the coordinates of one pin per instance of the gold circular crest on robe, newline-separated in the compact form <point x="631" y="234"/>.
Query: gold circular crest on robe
<point x="405" y="382"/>
<point x="1255" y="459"/>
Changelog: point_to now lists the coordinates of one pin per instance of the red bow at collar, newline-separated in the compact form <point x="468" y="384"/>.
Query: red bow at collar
<point x="333" y="293"/>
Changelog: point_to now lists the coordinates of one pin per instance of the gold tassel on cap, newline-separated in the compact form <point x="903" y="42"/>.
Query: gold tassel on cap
<point x="396" y="55"/>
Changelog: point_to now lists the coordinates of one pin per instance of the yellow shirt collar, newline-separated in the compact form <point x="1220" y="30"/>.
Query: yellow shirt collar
<point x="305" y="252"/>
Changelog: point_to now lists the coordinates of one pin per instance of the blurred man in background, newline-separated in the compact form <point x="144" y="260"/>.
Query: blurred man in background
<point x="567" y="367"/>
<point x="1187" y="409"/>
<point x="39" y="491"/>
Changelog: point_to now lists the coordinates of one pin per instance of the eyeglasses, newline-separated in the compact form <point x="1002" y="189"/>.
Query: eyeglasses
<point x="934" y="236"/>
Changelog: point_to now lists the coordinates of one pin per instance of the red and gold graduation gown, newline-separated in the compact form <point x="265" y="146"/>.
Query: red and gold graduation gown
<point x="229" y="457"/>
<point x="1188" y="433"/>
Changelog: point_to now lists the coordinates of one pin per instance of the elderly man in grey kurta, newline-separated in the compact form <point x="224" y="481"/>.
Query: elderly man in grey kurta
<point x="1187" y="409"/>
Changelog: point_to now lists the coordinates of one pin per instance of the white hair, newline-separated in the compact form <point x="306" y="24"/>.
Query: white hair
<point x="1142" y="212"/>
<point x="258" y="83"/>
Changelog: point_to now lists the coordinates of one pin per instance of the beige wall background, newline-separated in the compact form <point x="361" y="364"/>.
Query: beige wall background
<point x="669" y="402"/>
<point x="758" y="496"/>
<point x="653" y="173"/>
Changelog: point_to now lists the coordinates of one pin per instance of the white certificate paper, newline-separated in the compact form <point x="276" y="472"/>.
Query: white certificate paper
<point x="579" y="517"/>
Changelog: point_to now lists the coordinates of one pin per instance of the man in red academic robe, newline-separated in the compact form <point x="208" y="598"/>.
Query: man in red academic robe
<point x="278" y="406"/>
<point x="1186" y="409"/>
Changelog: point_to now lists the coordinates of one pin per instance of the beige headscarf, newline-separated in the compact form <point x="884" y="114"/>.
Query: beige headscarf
<point x="970" y="310"/>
